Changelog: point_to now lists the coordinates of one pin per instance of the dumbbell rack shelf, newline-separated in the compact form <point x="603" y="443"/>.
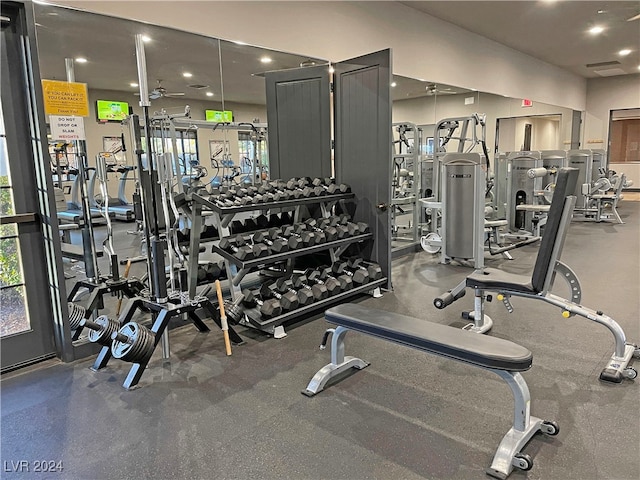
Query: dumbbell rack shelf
<point x="246" y="265"/>
<point x="256" y="320"/>
<point x="269" y="205"/>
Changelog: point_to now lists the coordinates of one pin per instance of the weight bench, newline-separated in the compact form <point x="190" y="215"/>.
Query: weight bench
<point x="75" y="252"/>
<point x="538" y="286"/>
<point x="502" y="357"/>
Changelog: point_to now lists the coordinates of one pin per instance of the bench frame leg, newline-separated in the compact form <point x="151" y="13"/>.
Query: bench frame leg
<point x="481" y="323"/>
<point x="618" y="367"/>
<point x="339" y="363"/>
<point x="524" y="426"/>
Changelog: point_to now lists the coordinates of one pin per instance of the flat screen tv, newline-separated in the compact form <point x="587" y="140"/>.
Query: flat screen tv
<point x="111" y="110"/>
<point x="218" y="116"/>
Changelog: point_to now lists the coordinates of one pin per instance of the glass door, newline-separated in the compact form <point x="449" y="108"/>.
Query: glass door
<point x="26" y="312"/>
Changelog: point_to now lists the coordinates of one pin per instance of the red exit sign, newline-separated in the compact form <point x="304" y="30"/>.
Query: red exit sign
<point x="527" y="103"/>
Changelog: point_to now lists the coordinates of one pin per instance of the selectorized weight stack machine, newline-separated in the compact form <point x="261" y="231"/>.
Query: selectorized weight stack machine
<point x="463" y="192"/>
<point x="520" y="189"/>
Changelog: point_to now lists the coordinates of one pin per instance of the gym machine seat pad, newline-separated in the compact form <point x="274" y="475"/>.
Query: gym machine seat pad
<point x="468" y="347"/>
<point x="494" y="279"/>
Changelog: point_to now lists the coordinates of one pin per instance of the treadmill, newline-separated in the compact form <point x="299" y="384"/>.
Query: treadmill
<point x="73" y="213"/>
<point x="119" y="208"/>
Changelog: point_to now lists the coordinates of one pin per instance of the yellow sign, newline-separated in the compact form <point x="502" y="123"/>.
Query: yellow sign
<point x="65" y="98"/>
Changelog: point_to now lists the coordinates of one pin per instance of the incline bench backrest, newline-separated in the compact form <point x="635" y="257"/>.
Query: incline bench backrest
<point x="565" y="186"/>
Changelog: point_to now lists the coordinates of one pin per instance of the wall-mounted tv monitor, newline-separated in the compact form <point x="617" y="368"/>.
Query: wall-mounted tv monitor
<point x="218" y="116"/>
<point x="111" y="110"/>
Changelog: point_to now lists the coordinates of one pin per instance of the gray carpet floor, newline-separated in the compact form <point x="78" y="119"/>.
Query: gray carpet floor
<point x="203" y="415"/>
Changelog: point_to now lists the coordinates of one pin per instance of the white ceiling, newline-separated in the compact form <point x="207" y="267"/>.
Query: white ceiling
<point x="553" y="31"/>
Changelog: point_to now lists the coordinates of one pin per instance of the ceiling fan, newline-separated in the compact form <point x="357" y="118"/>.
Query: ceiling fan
<point x="160" y="92"/>
<point x="433" y="89"/>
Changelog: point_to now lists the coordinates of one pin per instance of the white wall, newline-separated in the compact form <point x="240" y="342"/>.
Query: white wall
<point x="423" y="46"/>
<point x="429" y="110"/>
<point x="604" y="95"/>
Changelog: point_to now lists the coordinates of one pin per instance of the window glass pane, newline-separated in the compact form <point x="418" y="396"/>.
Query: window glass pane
<point x="8" y="230"/>
<point x="14" y="318"/>
<point x="10" y="265"/>
<point x="6" y="196"/>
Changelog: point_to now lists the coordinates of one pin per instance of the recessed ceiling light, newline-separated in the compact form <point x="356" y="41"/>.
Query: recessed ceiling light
<point x="133" y="84"/>
<point x="601" y="11"/>
<point x="187" y="75"/>
<point x="265" y="60"/>
<point x="624" y="52"/>
<point x="146" y="39"/>
<point x="393" y="84"/>
<point x="209" y="94"/>
<point x="81" y="60"/>
<point x="638" y="67"/>
<point x="596" y="30"/>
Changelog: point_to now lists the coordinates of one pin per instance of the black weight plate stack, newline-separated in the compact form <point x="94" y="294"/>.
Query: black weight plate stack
<point x="102" y="336"/>
<point x="76" y="314"/>
<point x="139" y="347"/>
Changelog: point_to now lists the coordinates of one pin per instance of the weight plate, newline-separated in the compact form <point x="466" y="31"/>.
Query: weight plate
<point x="428" y="242"/>
<point x="76" y="314"/>
<point x="140" y="346"/>
<point x="103" y="336"/>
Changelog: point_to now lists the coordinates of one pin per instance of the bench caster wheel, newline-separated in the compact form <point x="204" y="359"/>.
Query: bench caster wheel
<point x="522" y="461"/>
<point x="550" y="428"/>
<point x="630" y="373"/>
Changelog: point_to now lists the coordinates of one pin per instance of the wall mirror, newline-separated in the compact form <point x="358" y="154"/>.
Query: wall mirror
<point x="221" y="81"/>
<point x="511" y="125"/>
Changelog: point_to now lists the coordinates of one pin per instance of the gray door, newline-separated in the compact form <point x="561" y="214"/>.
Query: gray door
<point x="298" y="115"/>
<point x="27" y="318"/>
<point x="362" y="110"/>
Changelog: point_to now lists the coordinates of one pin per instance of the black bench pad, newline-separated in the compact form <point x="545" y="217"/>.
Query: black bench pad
<point x="473" y="348"/>
<point x="76" y="252"/>
<point x="494" y="279"/>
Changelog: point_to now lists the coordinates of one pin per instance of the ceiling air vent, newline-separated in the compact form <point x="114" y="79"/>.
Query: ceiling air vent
<point x="602" y="64"/>
<point x="198" y="86"/>
<point x="610" y="72"/>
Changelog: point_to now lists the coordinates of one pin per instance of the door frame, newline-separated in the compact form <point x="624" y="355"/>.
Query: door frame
<point x="34" y="202"/>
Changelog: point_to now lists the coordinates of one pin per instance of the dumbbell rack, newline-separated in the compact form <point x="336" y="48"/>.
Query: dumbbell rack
<point x="223" y="216"/>
<point x="238" y="269"/>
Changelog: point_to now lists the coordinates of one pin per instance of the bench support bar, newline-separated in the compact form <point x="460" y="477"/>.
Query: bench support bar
<point x="339" y="363"/>
<point x="617" y="368"/>
<point x="524" y="426"/>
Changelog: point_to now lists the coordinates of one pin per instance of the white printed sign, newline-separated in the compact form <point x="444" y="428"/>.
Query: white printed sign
<point x="67" y="128"/>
